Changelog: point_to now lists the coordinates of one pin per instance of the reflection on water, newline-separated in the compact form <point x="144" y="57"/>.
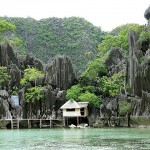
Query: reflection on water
<point x="72" y="139"/>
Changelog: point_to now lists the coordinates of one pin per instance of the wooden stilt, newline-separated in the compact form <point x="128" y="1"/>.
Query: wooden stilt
<point x="11" y="124"/>
<point x="67" y="121"/>
<point x="50" y="123"/>
<point x="18" y="124"/>
<point x="40" y="123"/>
<point x="64" y="122"/>
<point x="29" y="123"/>
<point x="77" y="121"/>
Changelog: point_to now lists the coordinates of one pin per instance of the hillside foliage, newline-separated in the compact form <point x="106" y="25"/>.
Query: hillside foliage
<point x="72" y="36"/>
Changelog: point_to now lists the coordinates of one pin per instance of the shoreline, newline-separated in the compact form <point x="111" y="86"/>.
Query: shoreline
<point x="135" y="122"/>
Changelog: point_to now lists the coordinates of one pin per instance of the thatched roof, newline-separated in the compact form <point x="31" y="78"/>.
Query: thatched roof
<point x="73" y="104"/>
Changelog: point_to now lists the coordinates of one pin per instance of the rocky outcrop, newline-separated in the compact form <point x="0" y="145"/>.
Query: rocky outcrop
<point x="115" y="61"/>
<point x="8" y="109"/>
<point x="15" y="74"/>
<point x="7" y="55"/>
<point x="147" y="14"/>
<point x="9" y="59"/>
<point x="59" y="77"/>
<point x="139" y="77"/>
<point x="60" y="73"/>
<point x="32" y="61"/>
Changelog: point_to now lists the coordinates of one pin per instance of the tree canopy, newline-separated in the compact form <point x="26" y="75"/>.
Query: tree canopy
<point x="118" y="38"/>
<point x="72" y="36"/>
<point x="31" y="74"/>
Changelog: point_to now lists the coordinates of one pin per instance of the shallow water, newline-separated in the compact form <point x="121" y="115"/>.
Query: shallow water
<point x="72" y="139"/>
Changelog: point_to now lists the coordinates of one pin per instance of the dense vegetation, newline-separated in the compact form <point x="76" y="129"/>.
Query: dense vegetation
<point x="34" y="91"/>
<point x="73" y="36"/>
<point x="83" y="43"/>
<point x="4" y="76"/>
<point x="95" y="84"/>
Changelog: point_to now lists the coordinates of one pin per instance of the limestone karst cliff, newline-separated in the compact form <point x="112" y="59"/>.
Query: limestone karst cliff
<point x="139" y="76"/>
<point x="59" y="76"/>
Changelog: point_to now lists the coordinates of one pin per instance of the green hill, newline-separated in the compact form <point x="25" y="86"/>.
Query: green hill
<point x="72" y="36"/>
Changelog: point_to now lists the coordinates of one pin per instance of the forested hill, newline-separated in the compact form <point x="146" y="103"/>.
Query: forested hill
<point x="48" y="37"/>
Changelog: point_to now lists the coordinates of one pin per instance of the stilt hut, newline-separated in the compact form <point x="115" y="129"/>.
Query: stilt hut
<point x="74" y="112"/>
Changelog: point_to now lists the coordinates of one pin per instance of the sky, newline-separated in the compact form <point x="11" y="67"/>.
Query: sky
<point x="106" y="14"/>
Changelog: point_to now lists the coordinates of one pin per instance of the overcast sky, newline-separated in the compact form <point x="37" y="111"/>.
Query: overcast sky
<point x="106" y="14"/>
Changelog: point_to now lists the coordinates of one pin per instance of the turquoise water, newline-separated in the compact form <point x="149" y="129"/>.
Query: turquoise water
<point x="76" y="139"/>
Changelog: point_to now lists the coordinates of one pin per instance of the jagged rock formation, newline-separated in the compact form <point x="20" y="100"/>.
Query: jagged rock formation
<point x="7" y="56"/>
<point x="147" y="14"/>
<point x="32" y="61"/>
<point x="8" y="109"/>
<point x="59" y="77"/>
<point x="139" y="77"/>
<point x="60" y="73"/>
<point x="137" y="74"/>
<point x="115" y="61"/>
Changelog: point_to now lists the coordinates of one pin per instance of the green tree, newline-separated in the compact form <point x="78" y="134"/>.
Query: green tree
<point x="118" y="38"/>
<point x="94" y="69"/>
<point x="6" y="26"/>
<point x="72" y="36"/>
<point x="31" y="75"/>
<point x="145" y="36"/>
<point x="124" y="108"/>
<point x="74" y="92"/>
<point x="4" y="76"/>
<point x="34" y="93"/>
<point x="110" y="86"/>
<point x="91" y="98"/>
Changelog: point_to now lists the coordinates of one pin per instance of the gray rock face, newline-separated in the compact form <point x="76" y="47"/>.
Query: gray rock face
<point x="115" y="61"/>
<point x="139" y="78"/>
<point x="59" y="77"/>
<point x="147" y="13"/>
<point x="31" y="61"/>
<point x="109" y="108"/>
<point x="7" y="56"/>
<point x="8" y="109"/>
<point x="60" y="73"/>
<point x="44" y="108"/>
<point x="15" y="74"/>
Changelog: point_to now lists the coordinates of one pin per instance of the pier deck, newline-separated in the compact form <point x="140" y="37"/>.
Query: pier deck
<point x="34" y="123"/>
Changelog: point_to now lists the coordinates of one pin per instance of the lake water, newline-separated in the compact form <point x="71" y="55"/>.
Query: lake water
<point x="76" y="139"/>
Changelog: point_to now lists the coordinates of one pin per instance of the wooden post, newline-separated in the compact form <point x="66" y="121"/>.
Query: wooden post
<point x="64" y="122"/>
<point x="67" y="121"/>
<point x="29" y="123"/>
<point x="18" y="124"/>
<point x="40" y="123"/>
<point x="77" y="121"/>
<point x="11" y="124"/>
<point x="50" y="123"/>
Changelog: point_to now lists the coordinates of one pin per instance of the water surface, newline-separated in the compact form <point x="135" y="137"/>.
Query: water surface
<point x="76" y="139"/>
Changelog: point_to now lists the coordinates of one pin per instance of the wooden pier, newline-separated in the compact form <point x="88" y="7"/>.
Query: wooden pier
<point x="35" y="123"/>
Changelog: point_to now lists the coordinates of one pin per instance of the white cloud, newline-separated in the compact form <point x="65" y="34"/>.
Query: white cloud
<point x="105" y="13"/>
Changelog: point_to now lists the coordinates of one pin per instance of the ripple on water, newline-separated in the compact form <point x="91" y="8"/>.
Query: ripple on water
<point x="77" y="139"/>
